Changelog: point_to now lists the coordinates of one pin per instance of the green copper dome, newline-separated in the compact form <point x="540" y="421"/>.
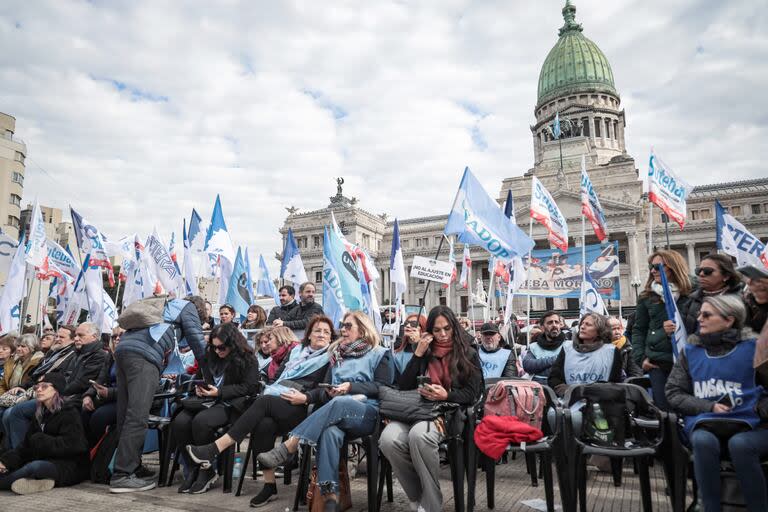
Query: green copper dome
<point x="575" y="64"/>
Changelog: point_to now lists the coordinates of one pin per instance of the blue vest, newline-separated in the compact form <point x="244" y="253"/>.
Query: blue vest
<point x="541" y="353"/>
<point x="401" y="359"/>
<point x="310" y="365"/>
<point x="588" y="367"/>
<point x="493" y="363"/>
<point x="714" y="376"/>
<point x="360" y="369"/>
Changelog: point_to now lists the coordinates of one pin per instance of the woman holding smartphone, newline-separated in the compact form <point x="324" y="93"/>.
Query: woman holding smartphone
<point x="714" y="380"/>
<point x="235" y="377"/>
<point x="444" y="367"/>
<point x="281" y="406"/>
<point x="358" y="365"/>
<point x="404" y="346"/>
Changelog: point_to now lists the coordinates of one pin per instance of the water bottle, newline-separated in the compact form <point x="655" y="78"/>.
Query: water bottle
<point x="599" y="430"/>
<point x="237" y="469"/>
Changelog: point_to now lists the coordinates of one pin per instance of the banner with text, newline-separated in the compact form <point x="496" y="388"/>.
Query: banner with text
<point x="432" y="270"/>
<point x="559" y="275"/>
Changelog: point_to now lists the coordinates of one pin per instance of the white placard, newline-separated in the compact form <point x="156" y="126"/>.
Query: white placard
<point x="432" y="270"/>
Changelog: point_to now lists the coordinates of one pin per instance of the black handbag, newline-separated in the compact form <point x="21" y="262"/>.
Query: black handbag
<point x="409" y="406"/>
<point x="196" y="403"/>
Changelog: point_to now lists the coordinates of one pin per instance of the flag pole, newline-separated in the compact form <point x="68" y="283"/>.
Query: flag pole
<point x="528" y="321"/>
<point x="38" y="316"/>
<point x="583" y="247"/>
<point x="471" y="297"/>
<point x="491" y="286"/>
<point x="650" y="230"/>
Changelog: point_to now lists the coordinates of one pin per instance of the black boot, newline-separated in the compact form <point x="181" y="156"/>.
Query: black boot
<point x="267" y="494"/>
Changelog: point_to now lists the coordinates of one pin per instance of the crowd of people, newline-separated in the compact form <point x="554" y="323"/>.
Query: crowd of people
<point x="63" y="392"/>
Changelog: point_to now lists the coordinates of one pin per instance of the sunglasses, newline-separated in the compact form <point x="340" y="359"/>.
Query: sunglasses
<point x="42" y="386"/>
<point x="654" y="266"/>
<point x="707" y="271"/>
<point x="706" y="314"/>
<point x="411" y="323"/>
<point x="219" y="348"/>
<point x="347" y="325"/>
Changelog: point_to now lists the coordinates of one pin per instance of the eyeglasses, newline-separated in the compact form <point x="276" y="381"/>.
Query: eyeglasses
<point x="654" y="266"/>
<point x="219" y="348"/>
<point x="707" y="271"/>
<point x="42" y="386"/>
<point x="411" y="323"/>
<point x="347" y="325"/>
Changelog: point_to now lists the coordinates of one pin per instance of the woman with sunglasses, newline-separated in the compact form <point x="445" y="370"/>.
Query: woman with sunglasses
<point x="54" y="451"/>
<point x="100" y="401"/>
<point x="651" y="334"/>
<point x="714" y="380"/>
<point x="235" y="378"/>
<point x="716" y="276"/>
<point x="404" y="346"/>
<point x="281" y="406"/>
<point x="444" y="355"/>
<point x="348" y="396"/>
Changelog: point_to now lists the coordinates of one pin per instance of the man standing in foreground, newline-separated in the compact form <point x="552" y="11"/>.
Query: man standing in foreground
<point x="140" y="358"/>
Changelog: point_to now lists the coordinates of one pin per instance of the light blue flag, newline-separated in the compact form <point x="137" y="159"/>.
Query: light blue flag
<point x="556" y="126"/>
<point x="478" y="220"/>
<point x="219" y="243"/>
<point x="591" y="301"/>
<point x="264" y="285"/>
<point x="249" y="286"/>
<point x="341" y="285"/>
<point x="196" y="241"/>
<point x="292" y="268"/>
<point x="680" y="336"/>
<point x="237" y="295"/>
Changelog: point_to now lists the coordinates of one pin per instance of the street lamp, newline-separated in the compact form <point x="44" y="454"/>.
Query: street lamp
<point x="635" y="283"/>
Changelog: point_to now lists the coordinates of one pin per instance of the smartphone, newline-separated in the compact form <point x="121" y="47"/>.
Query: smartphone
<point x="422" y="380"/>
<point x="753" y="272"/>
<point x="93" y="382"/>
<point x="325" y="385"/>
<point x="726" y="399"/>
<point x="200" y="383"/>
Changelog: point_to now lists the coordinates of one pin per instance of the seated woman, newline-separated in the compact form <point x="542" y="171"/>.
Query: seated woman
<point x="236" y="377"/>
<point x="262" y="349"/>
<point x="714" y="380"/>
<point x="7" y="348"/>
<point x="54" y="452"/>
<point x="256" y="318"/>
<point x="100" y="401"/>
<point x="281" y="406"/>
<point x="590" y="357"/>
<point x="358" y="365"/>
<point x="280" y="342"/>
<point x="403" y="349"/>
<point x="445" y="355"/>
<point x="17" y="376"/>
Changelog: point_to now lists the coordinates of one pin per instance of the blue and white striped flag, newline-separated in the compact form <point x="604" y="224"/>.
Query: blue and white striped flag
<point x="679" y="337"/>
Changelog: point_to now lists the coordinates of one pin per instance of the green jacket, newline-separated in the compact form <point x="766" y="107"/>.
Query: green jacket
<point x="648" y="336"/>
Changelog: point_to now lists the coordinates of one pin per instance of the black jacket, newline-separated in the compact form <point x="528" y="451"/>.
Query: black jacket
<point x="299" y="317"/>
<point x="61" y="441"/>
<point x="466" y="393"/>
<point x="240" y="382"/>
<point x="87" y="365"/>
<point x="104" y="378"/>
<point x="690" y="312"/>
<point x="282" y="312"/>
<point x="61" y="360"/>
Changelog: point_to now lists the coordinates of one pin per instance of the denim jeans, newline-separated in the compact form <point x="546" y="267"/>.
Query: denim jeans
<point x="16" y="421"/>
<point x="37" y="469"/>
<point x="326" y="428"/>
<point x="746" y="449"/>
<point x="658" y="379"/>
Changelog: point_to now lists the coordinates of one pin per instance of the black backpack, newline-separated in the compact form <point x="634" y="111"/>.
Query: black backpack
<point x="103" y="456"/>
<point x="609" y="427"/>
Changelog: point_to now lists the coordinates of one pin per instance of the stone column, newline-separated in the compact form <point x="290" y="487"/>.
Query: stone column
<point x="634" y="256"/>
<point x="691" y="256"/>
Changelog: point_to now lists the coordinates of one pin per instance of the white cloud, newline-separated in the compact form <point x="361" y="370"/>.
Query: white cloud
<point x="139" y="111"/>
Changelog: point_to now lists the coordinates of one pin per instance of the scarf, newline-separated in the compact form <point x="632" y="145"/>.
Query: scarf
<point x="727" y="337"/>
<point x="439" y="368"/>
<point x="548" y="344"/>
<point x="659" y="290"/>
<point x="357" y="348"/>
<point x="277" y="359"/>
<point x="619" y="343"/>
<point x="304" y="354"/>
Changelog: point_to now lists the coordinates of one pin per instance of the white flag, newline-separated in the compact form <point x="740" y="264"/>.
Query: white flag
<point x="13" y="292"/>
<point x="165" y="269"/>
<point x="36" y="250"/>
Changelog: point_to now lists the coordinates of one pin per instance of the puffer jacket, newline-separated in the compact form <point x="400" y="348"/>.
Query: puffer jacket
<point x="648" y="336"/>
<point x="156" y="343"/>
<point x="693" y="306"/>
<point x="679" y="388"/>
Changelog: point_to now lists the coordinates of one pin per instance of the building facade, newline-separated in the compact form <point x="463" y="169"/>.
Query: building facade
<point x="13" y="152"/>
<point x="576" y="85"/>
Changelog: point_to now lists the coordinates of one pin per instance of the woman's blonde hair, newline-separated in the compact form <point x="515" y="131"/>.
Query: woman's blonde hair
<point x="678" y="270"/>
<point x="283" y="335"/>
<point x="367" y="330"/>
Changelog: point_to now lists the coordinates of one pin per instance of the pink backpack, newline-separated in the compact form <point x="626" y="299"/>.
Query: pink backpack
<point x="524" y="399"/>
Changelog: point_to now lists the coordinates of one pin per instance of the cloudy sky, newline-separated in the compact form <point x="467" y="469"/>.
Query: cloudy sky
<point x="136" y="112"/>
